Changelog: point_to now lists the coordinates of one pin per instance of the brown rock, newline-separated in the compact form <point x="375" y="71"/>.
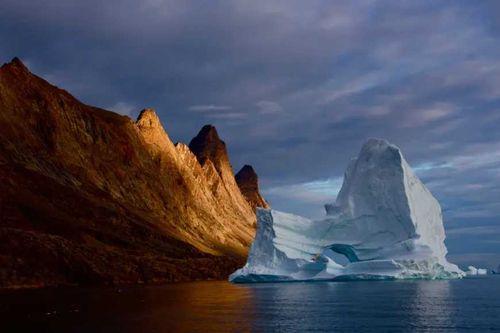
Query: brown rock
<point x="154" y="134"/>
<point x="208" y="146"/>
<point x="248" y="182"/>
<point x="90" y="196"/>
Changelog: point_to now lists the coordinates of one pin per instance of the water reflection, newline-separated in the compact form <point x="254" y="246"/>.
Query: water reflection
<point x="358" y="306"/>
<point x="190" y="307"/>
<point x="385" y="306"/>
<point x="199" y="307"/>
<point x="431" y="306"/>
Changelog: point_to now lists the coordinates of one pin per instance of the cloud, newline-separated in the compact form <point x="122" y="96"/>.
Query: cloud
<point x="480" y="155"/>
<point x="318" y="191"/>
<point x="480" y="230"/>
<point x="420" y="117"/>
<point x="268" y="107"/>
<point x="209" y="108"/>
<point x="221" y="112"/>
<point x="353" y="86"/>
<point x="429" y="166"/>
<point x="229" y="115"/>
<point x="436" y="112"/>
<point x="124" y="108"/>
<point x="308" y="198"/>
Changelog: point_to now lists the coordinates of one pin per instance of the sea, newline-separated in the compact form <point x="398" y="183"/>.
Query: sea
<point x="467" y="305"/>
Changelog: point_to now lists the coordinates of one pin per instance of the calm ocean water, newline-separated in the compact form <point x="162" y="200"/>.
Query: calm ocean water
<point x="472" y="304"/>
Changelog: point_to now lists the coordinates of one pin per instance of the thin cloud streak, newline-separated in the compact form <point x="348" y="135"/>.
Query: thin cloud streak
<point x="208" y="108"/>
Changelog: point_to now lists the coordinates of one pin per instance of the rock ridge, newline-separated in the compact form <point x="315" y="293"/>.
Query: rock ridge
<point x="91" y="197"/>
<point x="248" y="183"/>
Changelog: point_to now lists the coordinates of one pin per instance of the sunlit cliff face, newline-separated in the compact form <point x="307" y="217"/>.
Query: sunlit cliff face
<point x="90" y="196"/>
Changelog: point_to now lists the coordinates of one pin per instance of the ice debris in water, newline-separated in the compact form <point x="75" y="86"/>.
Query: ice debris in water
<point x="476" y="271"/>
<point x="384" y="221"/>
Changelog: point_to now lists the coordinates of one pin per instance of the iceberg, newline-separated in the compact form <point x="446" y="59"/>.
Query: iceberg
<point x="384" y="223"/>
<point x="476" y="271"/>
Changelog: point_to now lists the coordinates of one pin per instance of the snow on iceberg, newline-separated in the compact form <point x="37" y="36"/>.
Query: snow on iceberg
<point x="384" y="221"/>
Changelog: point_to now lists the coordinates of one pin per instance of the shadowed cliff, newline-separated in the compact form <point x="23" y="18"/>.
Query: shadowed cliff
<point x="248" y="183"/>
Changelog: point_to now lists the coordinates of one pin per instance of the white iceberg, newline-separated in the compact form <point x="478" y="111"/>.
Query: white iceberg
<point x="384" y="221"/>
<point x="476" y="271"/>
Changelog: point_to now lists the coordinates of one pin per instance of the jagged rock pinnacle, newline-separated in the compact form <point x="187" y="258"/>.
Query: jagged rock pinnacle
<point x="247" y="175"/>
<point x="248" y="182"/>
<point x="15" y="65"/>
<point x="148" y="117"/>
<point x="208" y="146"/>
<point x="153" y="132"/>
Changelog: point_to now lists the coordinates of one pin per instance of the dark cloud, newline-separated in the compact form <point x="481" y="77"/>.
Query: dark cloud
<point x="294" y="87"/>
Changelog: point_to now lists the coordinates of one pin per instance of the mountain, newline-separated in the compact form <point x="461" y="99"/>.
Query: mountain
<point x="211" y="153"/>
<point x="248" y="183"/>
<point x="92" y="197"/>
<point x="384" y="222"/>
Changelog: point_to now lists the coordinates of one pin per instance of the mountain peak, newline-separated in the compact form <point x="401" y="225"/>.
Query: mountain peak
<point x="247" y="173"/>
<point x="16" y="61"/>
<point x="148" y="117"/>
<point x="153" y="132"/>
<point x="15" y="65"/>
<point x="209" y="132"/>
<point x="208" y="146"/>
<point x="248" y="182"/>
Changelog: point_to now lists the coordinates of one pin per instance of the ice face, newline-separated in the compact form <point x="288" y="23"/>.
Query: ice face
<point x="385" y="222"/>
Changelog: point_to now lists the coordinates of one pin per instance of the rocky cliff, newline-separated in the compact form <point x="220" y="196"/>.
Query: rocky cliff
<point x="92" y="197"/>
<point x="248" y="183"/>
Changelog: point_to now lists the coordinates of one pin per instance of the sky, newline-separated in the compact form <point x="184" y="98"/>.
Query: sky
<point x="296" y="87"/>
